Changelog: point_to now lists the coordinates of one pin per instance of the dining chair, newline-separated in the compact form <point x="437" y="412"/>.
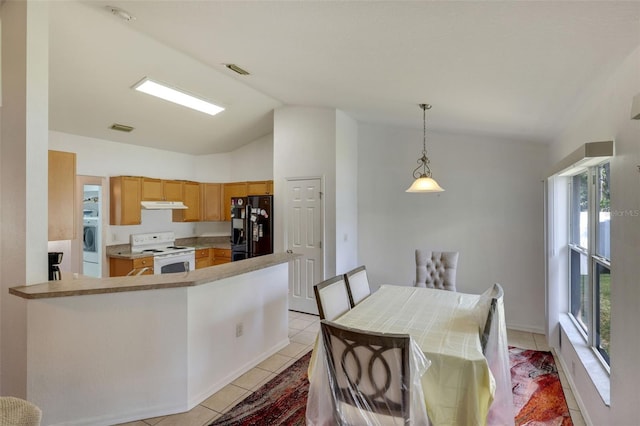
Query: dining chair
<point x="497" y="293"/>
<point x="357" y="285"/>
<point x="369" y="375"/>
<point x="18" y="412"/>
<point x="436" y="269"/>
<point x="332" y="297"/>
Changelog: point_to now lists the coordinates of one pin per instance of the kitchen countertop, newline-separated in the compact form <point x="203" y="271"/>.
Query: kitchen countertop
<point x="123" y="251"/>
<point x="212" y="245"/>
<point x="80" y="286"/>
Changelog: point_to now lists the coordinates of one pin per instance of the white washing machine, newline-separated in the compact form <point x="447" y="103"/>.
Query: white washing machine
<point x="91" y="247"/>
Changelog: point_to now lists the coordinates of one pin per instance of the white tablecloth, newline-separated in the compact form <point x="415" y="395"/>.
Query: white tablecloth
<point x="459" y="386"/>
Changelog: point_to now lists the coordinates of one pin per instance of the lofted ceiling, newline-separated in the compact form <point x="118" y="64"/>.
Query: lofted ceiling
<point x="512" y="69"/>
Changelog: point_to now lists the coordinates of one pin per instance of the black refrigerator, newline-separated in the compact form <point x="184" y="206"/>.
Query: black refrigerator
<point x="251" y="226"/>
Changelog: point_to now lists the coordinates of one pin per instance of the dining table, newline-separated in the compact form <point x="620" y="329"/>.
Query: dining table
<point x="465" y="383"/>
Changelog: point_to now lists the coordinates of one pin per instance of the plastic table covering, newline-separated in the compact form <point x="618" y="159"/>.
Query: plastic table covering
<point x="461" y="386"/>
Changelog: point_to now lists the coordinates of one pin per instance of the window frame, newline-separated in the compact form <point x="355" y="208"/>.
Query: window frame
<point x="590" y="331"/>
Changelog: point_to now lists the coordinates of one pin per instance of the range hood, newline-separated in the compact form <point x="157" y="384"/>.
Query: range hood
<point x="163" y="205"/>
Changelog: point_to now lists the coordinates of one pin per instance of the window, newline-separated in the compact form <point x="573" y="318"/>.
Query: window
<point x="590" y="256"/>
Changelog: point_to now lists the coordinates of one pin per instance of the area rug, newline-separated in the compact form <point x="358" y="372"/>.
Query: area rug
<point x="537" y="392"/>
<point x="537" y="395"/>
<point x="280" y="402"/>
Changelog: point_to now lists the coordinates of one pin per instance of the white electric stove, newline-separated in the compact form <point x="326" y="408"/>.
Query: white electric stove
<point x="167" y="257"/>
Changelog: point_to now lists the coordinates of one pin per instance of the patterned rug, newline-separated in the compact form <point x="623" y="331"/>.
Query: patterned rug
<point x="281" y="402"/>
<point x="537" y="392"/>
<point x="537" y="395"/>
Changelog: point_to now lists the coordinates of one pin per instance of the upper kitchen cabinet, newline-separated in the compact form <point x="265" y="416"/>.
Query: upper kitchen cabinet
<point x="211" y="201"/>
<point x="263" y="187"/>
<point x="232" y="190"/>
<point x="125" y="197"/>
<point x="62" y="189"/>
<point x="161" y="190"/>
<point x="191" y="198"/>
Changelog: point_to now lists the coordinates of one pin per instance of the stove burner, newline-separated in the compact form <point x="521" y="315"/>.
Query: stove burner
<point x="176" y="247"/>
<point x="151" y="251"/>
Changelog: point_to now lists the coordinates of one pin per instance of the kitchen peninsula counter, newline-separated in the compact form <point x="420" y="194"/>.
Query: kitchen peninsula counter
<point x="88" y="285"/>
<point x="116" y="350"/>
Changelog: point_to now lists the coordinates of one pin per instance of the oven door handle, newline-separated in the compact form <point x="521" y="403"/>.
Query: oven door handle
<point x="140" y="272"/>
<point x="186" y="266"/>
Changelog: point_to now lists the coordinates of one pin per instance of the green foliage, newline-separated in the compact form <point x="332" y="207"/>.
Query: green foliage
<point x="605" y="312"/>
<point x="603" y="180"/>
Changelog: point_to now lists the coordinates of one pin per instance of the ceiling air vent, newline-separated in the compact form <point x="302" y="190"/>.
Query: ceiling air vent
<point x="121" y="13"/>
<point x="235" y="68"/>
<point x="121" y="127"/>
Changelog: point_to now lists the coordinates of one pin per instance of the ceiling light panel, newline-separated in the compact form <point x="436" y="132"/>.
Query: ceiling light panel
<point x="179" y="97"/>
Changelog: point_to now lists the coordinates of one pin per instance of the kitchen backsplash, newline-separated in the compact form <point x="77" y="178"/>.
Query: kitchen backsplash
<point x="160" y="221"/>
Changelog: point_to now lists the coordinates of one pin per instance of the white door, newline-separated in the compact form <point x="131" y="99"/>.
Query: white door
<point x="304" y="236"/>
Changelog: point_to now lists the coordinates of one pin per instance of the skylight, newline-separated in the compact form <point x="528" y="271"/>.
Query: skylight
<point x="159" y="90"/>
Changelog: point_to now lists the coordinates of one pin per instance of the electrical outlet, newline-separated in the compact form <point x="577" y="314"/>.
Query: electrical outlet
<point x="239" y="329"/>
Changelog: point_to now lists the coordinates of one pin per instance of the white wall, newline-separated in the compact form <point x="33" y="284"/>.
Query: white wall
<point x="491" y="212"/>
<point x="304" y="145"/>
<point x="346" y="193"/>
<point x="213" y="168"/>
<point x="23" y="167"/>
<point x="98" y="157"/>
<point x="605" y="115"/>
<point x="253" y="161"/>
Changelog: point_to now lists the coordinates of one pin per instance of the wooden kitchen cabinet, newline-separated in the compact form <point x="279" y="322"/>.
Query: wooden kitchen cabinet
<point x="121" y="267"/>
<point x="62" y="191"/>
<point x="191" y="199"/>
<point x="152" y="189"/>
<point x="203" y="258"/>
<point x="211" y="202"/>
<point x="232" y="190"/>
<point x="173" y="190"/>
<point x="263" y="187"/>
<point x="221" y="256"/>
<point x="161" y="190"/>
<point x="125" y="197"/>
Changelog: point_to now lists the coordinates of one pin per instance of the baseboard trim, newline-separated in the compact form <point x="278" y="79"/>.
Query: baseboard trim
<point x="526" y="328"/>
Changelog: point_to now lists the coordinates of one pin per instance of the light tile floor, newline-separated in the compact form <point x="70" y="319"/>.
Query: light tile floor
<point x="302" y="333"/>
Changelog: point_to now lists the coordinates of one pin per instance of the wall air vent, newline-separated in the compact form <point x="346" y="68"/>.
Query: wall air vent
<point x="235" y="68"/>
<point x="121" y="127"/>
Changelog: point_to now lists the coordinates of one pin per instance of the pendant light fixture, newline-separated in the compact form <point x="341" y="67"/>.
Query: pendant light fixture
<point x="422" y="174"/>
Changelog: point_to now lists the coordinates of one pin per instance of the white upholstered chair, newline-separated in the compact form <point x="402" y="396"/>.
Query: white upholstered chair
<point x="370" y="375"/>
<point x="332" y="297"/>
<point x="18" y="412"/>
<point x="436" y="269"/>
<point x="357" y="285"/>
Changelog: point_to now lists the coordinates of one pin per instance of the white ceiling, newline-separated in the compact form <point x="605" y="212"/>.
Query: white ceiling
<point x="512" y="69"/>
